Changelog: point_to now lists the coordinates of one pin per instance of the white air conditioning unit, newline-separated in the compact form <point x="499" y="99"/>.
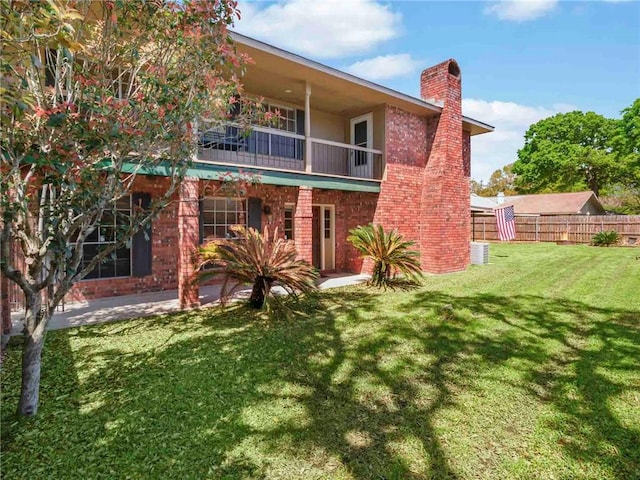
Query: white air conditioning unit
<point x="479" y="253"/>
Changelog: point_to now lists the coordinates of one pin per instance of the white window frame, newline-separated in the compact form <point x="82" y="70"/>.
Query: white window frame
<point x="243" y="212"/>
<point x="101" y="241"/>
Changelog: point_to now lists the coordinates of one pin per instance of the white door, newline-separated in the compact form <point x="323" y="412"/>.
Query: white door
<point x="361" y="162"/>
<point x="323" y="237"/>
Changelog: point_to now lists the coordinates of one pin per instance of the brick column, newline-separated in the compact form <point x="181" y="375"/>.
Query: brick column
<point x="303" y="224"/>
<point x="445" y="229"/>
<point x="188" y="240"/>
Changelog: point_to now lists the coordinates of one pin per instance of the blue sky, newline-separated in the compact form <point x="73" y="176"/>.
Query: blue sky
<point x="521" y="61"/>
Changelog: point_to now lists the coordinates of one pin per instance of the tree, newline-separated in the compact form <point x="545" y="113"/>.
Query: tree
<point x="91" y="90"/>
<point x="261" y="261"/>
<point x="626" y="148"/>
<point x="567" y="152"/>
<point x="389" y="251"/>
<point x="502" y="180"/>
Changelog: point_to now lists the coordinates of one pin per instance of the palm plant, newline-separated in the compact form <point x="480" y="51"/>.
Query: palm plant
<point x="606" y="238"/>
<point x="257" y="260"/>
<point x="389" y="252"/>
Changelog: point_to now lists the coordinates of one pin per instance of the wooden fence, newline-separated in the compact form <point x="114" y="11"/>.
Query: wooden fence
<point x="557" y="228"/>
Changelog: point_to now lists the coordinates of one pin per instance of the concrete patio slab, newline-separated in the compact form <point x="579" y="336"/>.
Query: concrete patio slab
<point x="147" y="304"/>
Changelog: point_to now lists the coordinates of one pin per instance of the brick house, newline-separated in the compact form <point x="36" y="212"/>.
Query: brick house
<point x="346" y="152"/>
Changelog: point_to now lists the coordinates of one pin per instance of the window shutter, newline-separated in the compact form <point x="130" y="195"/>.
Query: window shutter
<point x="201" y="220"/>
<point x="255" y="213"/>
<point x="141" y="241"/>
<point x="300" y="122"/>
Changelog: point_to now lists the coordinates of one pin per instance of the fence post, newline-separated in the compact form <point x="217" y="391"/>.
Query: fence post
<point x="537" y="227"/>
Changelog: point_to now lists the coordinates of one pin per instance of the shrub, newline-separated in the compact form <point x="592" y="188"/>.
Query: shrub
<point x="389" y="252"/>
<point x="605" y="238"/>
<point x="257" y="260"/>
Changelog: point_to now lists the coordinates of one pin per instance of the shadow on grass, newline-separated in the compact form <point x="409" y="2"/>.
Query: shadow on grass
<point x="350" y="389"/>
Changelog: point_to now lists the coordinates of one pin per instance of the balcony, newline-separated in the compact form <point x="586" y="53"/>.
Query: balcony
<point x="280" y="150"/>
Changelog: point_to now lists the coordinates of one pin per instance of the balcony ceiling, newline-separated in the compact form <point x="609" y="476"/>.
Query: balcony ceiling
<point x="271" y="76"/>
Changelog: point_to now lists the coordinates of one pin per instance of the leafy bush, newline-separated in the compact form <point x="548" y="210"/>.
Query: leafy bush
<point x="257" y="260"/>
<point x="389" y="252"/>
<point x="606" y="238"/>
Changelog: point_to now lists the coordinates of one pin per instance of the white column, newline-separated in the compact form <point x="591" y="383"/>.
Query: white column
<point x="307" y="128"/>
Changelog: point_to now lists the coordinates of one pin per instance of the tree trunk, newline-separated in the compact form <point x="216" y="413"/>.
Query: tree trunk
<point x="36" y="320"/>
<point x="256" y="300"/>
<point x="31" y="361"/>
<point x="377" y="278"/>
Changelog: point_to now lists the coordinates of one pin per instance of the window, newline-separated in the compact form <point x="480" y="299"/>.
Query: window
<point x="288" y="222"/>
<point x="327" y="223"/>
<point x="118" y="264"/>
<point x="286" y="119"/>
<point x="50" y="60"/>
<point x="120" y="83"/>
<point x="220" y="214"/>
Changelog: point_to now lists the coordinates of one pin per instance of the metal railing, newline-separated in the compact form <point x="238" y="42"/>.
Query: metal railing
<point x="260" y="147"/>
<point x="265" y="147"/>
<point x="345" y="160"/>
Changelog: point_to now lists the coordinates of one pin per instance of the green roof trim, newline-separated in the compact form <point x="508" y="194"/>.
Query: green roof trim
<point x="268" y="177"/>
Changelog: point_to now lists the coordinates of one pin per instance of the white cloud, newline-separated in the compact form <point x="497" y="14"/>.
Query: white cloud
<point x="385" y="67"/>
<point x="321" y="29"/>
<point x="492" y="151"/>
<point x="520" y="10"/>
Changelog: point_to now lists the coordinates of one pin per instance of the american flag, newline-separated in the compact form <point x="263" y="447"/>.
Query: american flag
<point x="506" y="220"/>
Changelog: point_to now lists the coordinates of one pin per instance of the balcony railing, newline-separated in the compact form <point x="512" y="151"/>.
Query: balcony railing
<point x="346" y="160"/>
<point x="263" y="147"/>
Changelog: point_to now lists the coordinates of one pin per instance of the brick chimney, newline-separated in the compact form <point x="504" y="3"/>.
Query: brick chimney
<point x="445" y="231"/>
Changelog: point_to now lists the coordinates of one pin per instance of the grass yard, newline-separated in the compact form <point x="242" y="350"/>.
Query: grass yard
<point x="528" y="368"/>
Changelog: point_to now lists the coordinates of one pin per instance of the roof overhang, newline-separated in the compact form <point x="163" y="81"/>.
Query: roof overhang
<point x="282" y="75"/>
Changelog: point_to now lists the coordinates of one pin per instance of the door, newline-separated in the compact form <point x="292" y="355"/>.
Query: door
<point x="316" y="235"/>
<point x="361" y="162"/>
<point x="323" y="239"/>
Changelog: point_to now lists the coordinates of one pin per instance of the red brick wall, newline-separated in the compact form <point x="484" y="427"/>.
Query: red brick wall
<point x="466" y="153"/>
<point x="351" y="209"/>
<point x="425" y="192"/>
<point x="406" y="140"/>
<point x="188" y="242"/>
<point x="164" y="251"/>
<point x="445" y="237"/>
<point x="302" y="223"/>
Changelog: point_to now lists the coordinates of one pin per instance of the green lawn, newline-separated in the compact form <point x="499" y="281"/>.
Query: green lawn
<point x="526" y="368"/>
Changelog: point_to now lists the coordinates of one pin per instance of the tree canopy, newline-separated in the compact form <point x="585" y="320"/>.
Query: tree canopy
<point x="94" y="93"/>
<point x="568" y="152"/>
<point x="502" y="180"/>
<point x="626" y="148"/>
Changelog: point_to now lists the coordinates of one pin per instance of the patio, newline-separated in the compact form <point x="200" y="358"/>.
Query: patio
<point x="110" y="309"/>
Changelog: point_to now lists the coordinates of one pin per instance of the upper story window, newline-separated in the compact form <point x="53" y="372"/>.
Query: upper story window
<point x="116" y="81"/>
<point x="287" y="117"/>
